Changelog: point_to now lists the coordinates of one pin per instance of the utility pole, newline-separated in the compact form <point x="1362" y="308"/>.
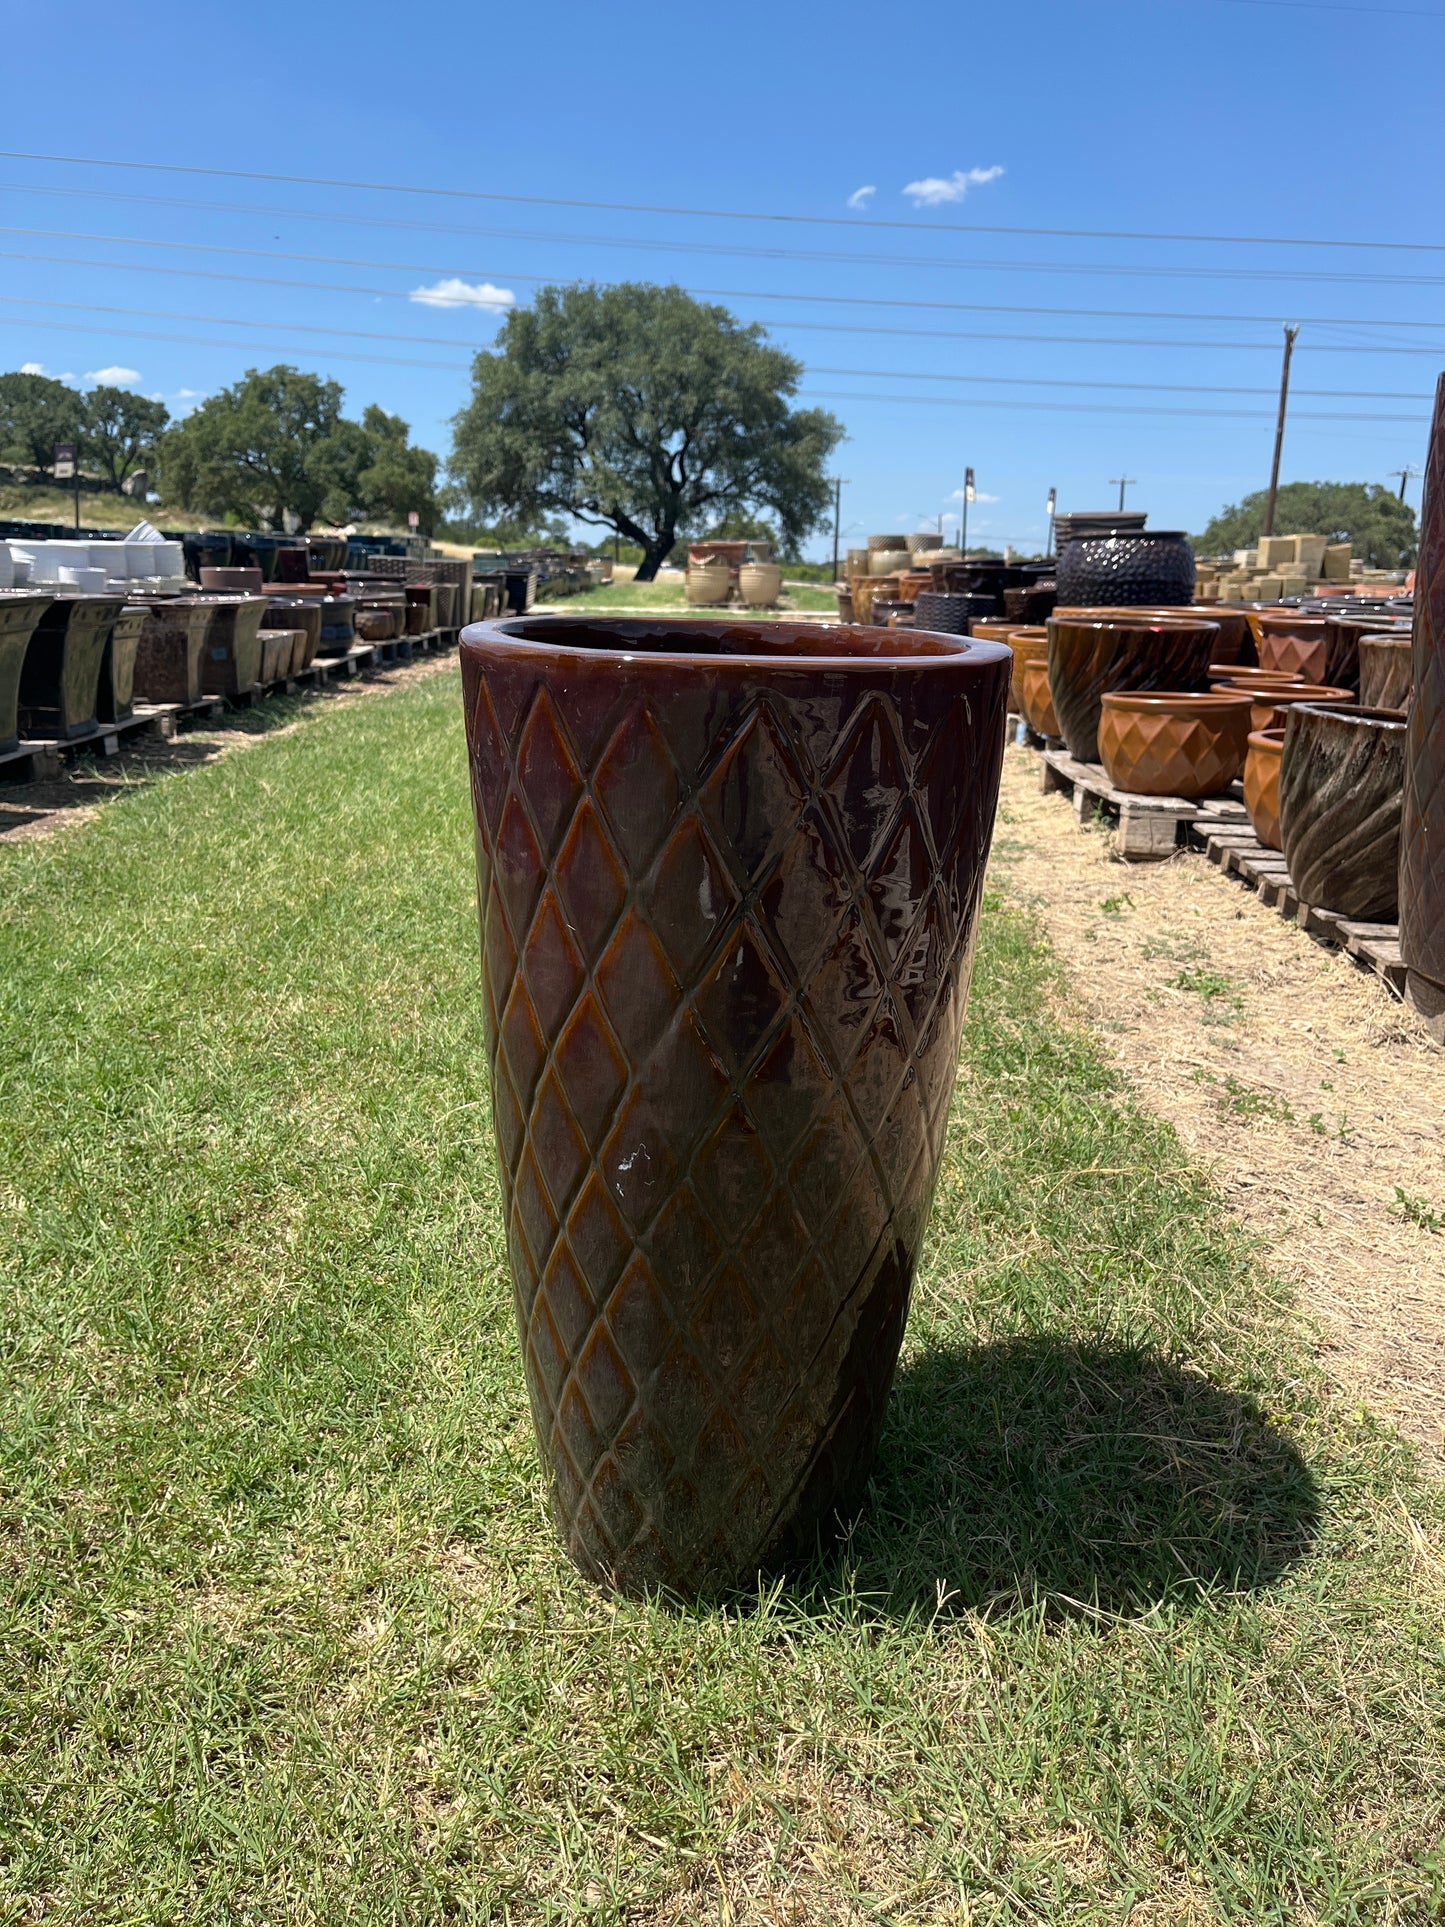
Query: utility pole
<point x="1407" y="473"/>
<point x="838" y="481"/>
<point x="1289" y="335"/>
<point x="1122" y="482"/>
<point x="1053" y="505"/>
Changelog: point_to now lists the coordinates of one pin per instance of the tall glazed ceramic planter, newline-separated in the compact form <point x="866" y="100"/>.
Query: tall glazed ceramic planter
<point x="1422" y="836"/>
<point x="1341" y="784"/>
<point x="20" y="612"/>
<point x="1088" y="658"/>
<point x="728" y="877"/>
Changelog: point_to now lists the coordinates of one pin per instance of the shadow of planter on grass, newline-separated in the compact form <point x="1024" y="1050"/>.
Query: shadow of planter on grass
<point x="1098" y="1477"/>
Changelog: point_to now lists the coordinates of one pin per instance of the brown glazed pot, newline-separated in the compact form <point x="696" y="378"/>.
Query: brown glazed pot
<point x="1385" y="674"/>
<point x="117" y="668"/>
<point x="1038" y="698"/>
<point x="168" y="660"/>
<point x="1422" y="842"/>
<point x="1294" y="645"/>
<point x="728" y="875"/>
<point x="20" y="612"/>
<point x="1088" y="658"/>
<point x="231" y="662"/>
<point x="1261" y="784"/>
<point x="1173" y="744"/>
<point x="1341" y="781"/>
<point x="1028" y="645"/>
<point x="60" y="681"/>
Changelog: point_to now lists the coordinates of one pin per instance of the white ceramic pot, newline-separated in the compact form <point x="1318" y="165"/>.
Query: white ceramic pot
<point x="707" y="584"/>
<point x="888" y="561"/>
<point x="760" y="584"/>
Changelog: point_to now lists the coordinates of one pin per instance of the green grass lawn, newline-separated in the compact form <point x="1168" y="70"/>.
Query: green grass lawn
<point x="671" y="594"/>
<point x="1143" y="1622"/>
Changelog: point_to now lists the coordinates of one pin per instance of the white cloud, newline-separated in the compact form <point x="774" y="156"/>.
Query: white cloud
<point x="861" y="196"/>
<point x="187" y="394"/>
<point x="979" y="495"/>
<point x="114" y="377"/>
<point x="933" y="192"/>
<point x="455" y="293"/>
<point x="32" y="368"/>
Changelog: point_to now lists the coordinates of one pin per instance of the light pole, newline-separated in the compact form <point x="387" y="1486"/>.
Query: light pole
<point x="968" y="496"/>
<point x="838" y="481"/>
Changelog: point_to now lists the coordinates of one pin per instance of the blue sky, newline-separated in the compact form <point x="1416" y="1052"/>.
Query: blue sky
<point x="1042" y="360"/>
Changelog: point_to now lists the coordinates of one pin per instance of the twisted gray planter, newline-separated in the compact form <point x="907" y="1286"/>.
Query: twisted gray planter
<point x="1341" y="789"/>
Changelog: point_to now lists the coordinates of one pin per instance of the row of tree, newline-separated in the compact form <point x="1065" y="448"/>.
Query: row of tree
<point x="115" y="430"/>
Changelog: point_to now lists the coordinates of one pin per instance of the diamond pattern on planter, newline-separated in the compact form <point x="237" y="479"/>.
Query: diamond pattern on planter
<point x="726" y="918"/>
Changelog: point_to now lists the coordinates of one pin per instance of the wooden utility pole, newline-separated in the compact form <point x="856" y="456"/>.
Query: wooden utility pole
<point x="838" y="481"/>
<point x="1289" y="335"/>
<point x="1405" y="474"/>
<point x="1123" y="482"/>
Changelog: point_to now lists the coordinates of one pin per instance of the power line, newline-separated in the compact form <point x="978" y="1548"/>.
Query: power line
<point x="1153" y="387"/>
<point x="1099" y="408"/>
<point x="721" y="294"/>
<point x="735" y="214"/>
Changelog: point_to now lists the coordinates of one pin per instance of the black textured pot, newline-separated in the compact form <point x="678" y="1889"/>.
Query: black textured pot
<point x="1129" y="569"/>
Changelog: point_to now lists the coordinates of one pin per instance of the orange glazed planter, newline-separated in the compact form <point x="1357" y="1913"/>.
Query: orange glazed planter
<point x="1038" y="698"/>
<point x="1261" y="784"/>
<point x="728" y="875"/>
<point x="1173" y="743"/>
<point x="1028" y="645"/>
<point x="1294" y="646"/>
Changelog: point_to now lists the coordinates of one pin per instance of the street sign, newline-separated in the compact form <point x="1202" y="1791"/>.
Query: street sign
<point x="64" y="467"/>
<point x="969" y="494"/>
<point x="413" y="520"/>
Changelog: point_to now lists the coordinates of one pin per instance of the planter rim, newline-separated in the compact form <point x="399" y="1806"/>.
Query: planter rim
<point x="1267" y="738"/>
<point x="1121" y="621"/>
<point x="641" y="641"/>
<point x="1318" y="692"/>
<point x="1352" y="713"/>
<point x="1226" y="702"/>
<point x="1294" y="621"/>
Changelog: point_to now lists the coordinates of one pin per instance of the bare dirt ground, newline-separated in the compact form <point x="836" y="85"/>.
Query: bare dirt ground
<point x="1315" y="1096"/>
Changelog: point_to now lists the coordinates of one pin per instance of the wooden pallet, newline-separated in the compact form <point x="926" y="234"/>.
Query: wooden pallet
<point x="1149" y="827"/>
<point x="1240" y="853"/>
<point x="40" y="758"/>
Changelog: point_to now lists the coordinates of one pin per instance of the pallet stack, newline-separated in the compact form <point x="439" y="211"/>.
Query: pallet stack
<point x="1285" y="567"/>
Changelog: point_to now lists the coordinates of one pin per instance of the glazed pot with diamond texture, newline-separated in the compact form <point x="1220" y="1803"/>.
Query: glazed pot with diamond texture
<point x="1173" y="744"/>
<point x="1129" y="569"/>
<point x="1422" y="843"/>
<point x="1341" y="785"/>
<point x="1087" y="658"/>
<point x="1293" y="645"/>
<point x="728" y="875"/>
<point x="1261" y="784"/>
<point x="1038" y="699"/>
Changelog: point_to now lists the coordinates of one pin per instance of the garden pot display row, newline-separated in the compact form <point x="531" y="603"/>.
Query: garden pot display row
<point x="1127" y="569"/>
<point x="1235" y="640"/>
<point x="60" y="678"/>
<point x="1422" y="861"/>
<point x="232" y="581"/>
<point x="20" y="612"/>
<point x="1174" y="743"/>
<point x="1341" y="785"/>
<point x="728" y="877"/>
<point x="1316" y="648"/>
<point x="1261" y="784"/>
<point x="1038" y="701"/>
<point x="1270" y="697"/>
<point x="116" y="696"/>
<point x="1385" y="672"/>
<point x="1087" y="659"/>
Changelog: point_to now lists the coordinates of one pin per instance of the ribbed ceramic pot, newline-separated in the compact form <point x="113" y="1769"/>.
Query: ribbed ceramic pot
<point x="1089" y="658"/>
<point x="1422" y="847"/>
<point x="1341" y="785"/>
<point x="1038" y="699"/>
<point x="728" y="876"/>
<point x="1129" y="570"/>
<point x="168" y="658"/>
<point x="60" y="681"/>
<point x="1028" y="645"/>
<point x="1343" y="635"/>
<point x="1261" y="784"/>
<point x="117" y="668"/>
<point x="20" y="613"/>
<point x="1385" y="671"/>
<point x="1171" y="743"/>
<point x="1293" y="645"/>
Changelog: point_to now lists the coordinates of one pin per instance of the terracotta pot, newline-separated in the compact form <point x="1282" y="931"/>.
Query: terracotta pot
<point x="708" y="583"/>
<point x="1028" y="645"/>
<point x="728" y="876"/>
<point x="60" y="680"/>
<point x="116" y="696"/>
<point x="1038" y="699"/>
<point x="913" y="583"/>
<point x="1261" y="784"/>
<point x="1087" y="659"/>
<point x="1129" y="570"/>
<point x="231" y="661"/>
<point x="1341" y="783"/>
<point x="1293" y="645"/>
<point x="1170" y="743"/>
<point x="168" y="658"/>
<point x="988" y="630"/>
<point x="1385" y="673"/>
<point x="1422" y="861"/>
<point x="20" y="612"/>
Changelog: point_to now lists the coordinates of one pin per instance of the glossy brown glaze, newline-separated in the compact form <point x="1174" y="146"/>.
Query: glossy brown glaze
<point x="1038" y="698"/>
<point x="1422" y="859"/>
<point x="1261" y="784"/>
<point x="728" y="877"/>
<point x="60" y="682"/>
<point x="20" y="613"/>
<point x="1341" y="782"/>
<point x="1173" y="744"/>
<point x="232" y="658"/>
<point x="1272" y="697"/>
<point x="1342" y="647"/>
<point x="1088" y="658"/>
<point x="1293" y="644"/>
